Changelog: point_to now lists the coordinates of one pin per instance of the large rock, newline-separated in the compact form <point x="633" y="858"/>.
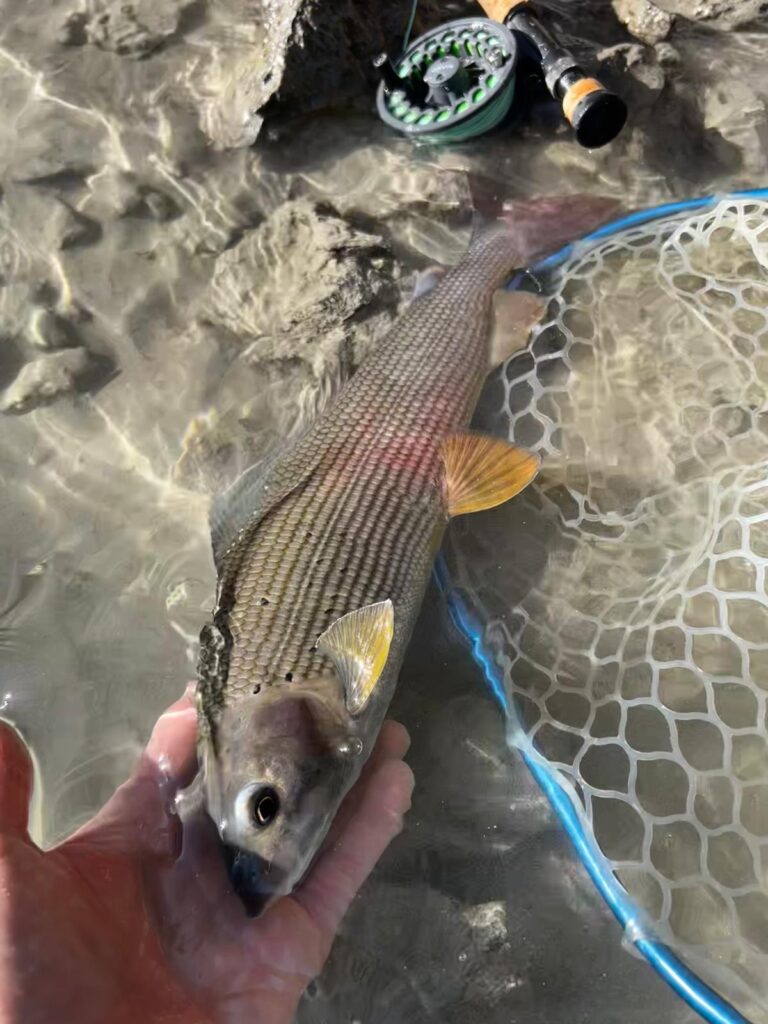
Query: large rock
<point x="300" y="286"/>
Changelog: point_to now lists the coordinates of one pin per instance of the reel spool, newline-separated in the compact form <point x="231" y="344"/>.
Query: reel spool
<point x="451" y="84"/>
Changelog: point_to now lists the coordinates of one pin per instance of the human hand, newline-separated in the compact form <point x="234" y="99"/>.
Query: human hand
<point x="132" y="919"/>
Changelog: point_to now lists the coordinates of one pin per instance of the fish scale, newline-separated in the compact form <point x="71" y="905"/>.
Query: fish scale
<point x="374" y="532"/>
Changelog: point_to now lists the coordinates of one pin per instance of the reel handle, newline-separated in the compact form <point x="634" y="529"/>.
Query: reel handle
<point x="595" y="114"/>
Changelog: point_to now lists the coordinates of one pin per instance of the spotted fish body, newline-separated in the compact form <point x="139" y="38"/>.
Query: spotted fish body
<point x="366" y="515"/>
<point x="349" y="517"/>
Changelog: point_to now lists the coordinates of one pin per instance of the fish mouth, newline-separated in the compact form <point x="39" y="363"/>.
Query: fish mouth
<point x="256" y="881"/>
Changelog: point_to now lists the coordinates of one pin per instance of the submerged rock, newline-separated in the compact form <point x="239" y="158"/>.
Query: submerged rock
<point x="48" y="330"/>
<point x="130" y="29"/>
<point x="640" y="71"/>
<point x="291" y="288"/>
<point x="45" y="378"/>
<point x="724" y="14"/>
<point x="51" y="221"/>
<point x="644" y="19"/>
<point x="291" y="310"/>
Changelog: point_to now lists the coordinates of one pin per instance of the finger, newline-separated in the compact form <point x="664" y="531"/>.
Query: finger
<point x="171" y="747"/>
<point x="16" y="781"/>
<point x="141" y="813"/>
<point x="341" y="869"/>
<point x="393" y="743"/>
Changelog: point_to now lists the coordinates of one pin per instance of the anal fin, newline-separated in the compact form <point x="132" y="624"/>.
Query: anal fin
<point x="515" y="315"/>
<point x="482" y="472"/>
<point x="359" y="645"/>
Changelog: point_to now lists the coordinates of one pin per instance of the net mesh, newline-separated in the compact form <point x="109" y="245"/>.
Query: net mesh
<point x="623" y="596"/>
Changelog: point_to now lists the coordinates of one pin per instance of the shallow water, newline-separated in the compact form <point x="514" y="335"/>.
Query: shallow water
<point x="174" y="284"/>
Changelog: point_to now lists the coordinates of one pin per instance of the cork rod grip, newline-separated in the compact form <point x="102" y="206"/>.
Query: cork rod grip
<point x="497" y="10"/>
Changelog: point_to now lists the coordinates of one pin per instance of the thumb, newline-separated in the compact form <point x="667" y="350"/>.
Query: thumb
<point x="16" y="780"/>
<point x="141" y="814"/>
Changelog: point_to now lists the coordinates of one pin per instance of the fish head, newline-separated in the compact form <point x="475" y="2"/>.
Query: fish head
<point x="283" y="761"/>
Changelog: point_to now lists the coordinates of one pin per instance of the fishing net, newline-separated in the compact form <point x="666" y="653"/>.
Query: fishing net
<point x="622" y="598"/>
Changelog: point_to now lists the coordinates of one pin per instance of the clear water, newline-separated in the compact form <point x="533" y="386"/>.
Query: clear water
<point x="118" y="224"/>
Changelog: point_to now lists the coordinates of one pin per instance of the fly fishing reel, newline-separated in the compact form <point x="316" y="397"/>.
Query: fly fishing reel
<point x="453" y="83"/>
<point x="458" y="80"/>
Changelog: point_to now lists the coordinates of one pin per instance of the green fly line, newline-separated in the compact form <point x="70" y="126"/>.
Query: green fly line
<point x="486" y="118"/>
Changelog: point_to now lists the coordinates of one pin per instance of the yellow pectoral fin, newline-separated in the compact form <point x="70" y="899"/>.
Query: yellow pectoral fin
<point x="359" y="644"/>
<point x="482" y="472"/>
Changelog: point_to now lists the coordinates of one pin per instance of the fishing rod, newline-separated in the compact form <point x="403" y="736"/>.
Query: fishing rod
<point x="458" y="80"/>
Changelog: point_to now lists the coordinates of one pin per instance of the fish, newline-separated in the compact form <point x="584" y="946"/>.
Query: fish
<point x="324" y="550"/>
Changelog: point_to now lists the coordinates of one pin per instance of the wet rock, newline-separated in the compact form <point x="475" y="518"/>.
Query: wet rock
<point x="151" y="204"/>
<point x="133" y="29"/>
<point x="53" y="222"/>
<point x="80" y="230"/>
<point x="11" y="358"/>
<point x="644" y="20"/>
<point x="240" y="68"/>
<point x="298" y="55"/>
<point x="46" y="378"/>
<point x="666" y="55"/>
<point x="724" y="14"/>
<point x="74" y="29"/>
<point x="48" y="330"/>
<point x="638" y="69"/>
<point x="331" y="47"/>
<point x="488" y="922"/>
<point x="738" y="114"/>
<point x="291" y="288"/>
<point x="53" y="147"/>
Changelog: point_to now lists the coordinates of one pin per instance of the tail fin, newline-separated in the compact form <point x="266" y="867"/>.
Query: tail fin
<point x="535" y="227"/>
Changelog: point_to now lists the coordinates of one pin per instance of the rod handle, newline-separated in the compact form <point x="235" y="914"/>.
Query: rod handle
<point x="499" y="10"/>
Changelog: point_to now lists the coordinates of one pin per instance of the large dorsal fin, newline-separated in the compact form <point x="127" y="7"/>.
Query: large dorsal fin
<point x="258" y="489"/>
<point x="359" y="645"/>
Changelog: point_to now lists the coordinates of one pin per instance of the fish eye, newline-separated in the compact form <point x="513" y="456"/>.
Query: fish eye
<point x="264" y="806"/>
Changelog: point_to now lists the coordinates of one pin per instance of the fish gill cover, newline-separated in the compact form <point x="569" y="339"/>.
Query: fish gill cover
<point x="622" y="597"/>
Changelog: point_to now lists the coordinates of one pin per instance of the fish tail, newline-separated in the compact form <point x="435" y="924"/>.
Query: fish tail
<point x="532" y="228"/>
